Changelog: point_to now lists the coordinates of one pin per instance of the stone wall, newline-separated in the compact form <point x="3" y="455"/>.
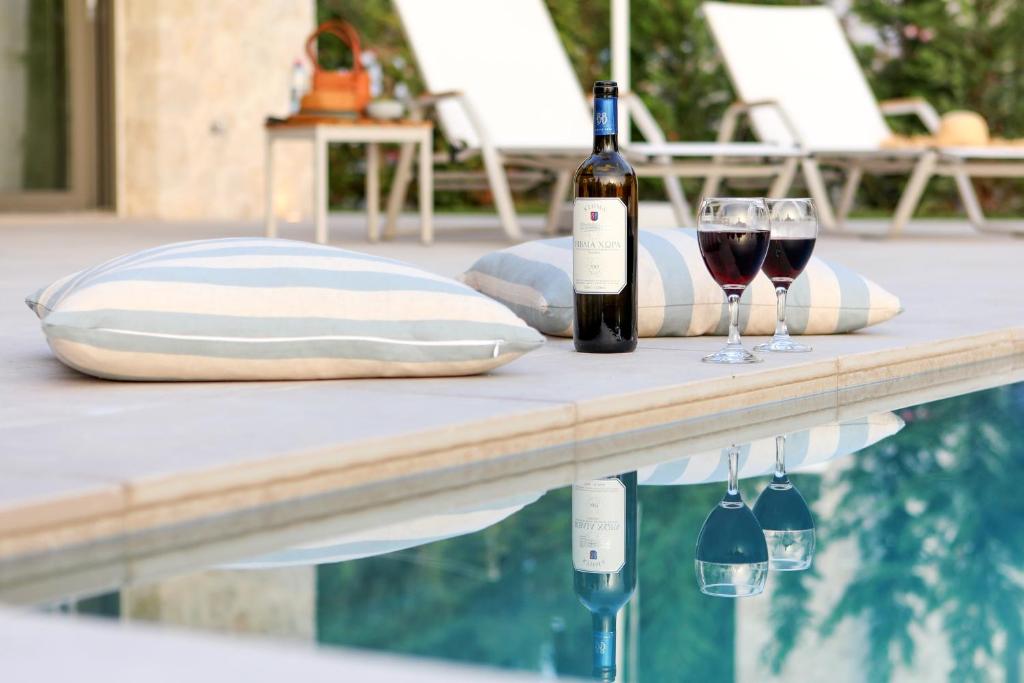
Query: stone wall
<point x="14" y="42"/>
<point x="271" y="602"/>
<point x="195" y="81"/>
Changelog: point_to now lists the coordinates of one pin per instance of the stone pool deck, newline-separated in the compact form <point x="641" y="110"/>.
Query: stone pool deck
<point x="84" y="461"/>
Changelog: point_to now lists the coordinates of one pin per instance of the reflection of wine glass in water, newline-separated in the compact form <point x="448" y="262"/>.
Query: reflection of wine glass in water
<point x="732" y="557"/>
<point x="785" y="518"/>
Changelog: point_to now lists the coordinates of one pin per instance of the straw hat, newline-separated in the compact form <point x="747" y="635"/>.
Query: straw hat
<point x="962" y="129"/>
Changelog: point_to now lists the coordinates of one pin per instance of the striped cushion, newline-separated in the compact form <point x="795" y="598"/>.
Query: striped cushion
<point x="805" y="450"/>
<point x="678" y="298"/>
<point x="260" y="309"/>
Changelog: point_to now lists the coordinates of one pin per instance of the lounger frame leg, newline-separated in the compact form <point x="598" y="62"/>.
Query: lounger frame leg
<point x="972" y="206"/>
<point x="919" y="177"/>
<point x="819" y="193"/>
<point x="559" y="194"/>
<point x="969" y="197"/>
<point x="711" y="184"/>
<point x="780" y="186"/>
<point x="849" y="193"/>
<point x="502" y="194"/>
<point x="681" y="209"/>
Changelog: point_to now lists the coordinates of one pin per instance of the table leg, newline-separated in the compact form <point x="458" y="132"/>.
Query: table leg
<point x="373" y="191"/>
<point x="399" y="188"/>
<point x="269" y="215"/>
<point x="320" y="187"/>
<point x="426" y="180"/>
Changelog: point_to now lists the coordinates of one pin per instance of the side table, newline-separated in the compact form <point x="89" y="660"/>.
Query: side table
<point x="322" y="131"/>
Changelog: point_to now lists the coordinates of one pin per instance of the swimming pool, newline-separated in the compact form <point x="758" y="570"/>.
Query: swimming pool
<point x="917" y="573"/>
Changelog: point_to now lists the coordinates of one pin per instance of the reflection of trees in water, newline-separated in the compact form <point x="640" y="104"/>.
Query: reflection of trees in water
<point x="938" y="517"/>
<point x="791" y="591"/>
<point x="504" y="596"/>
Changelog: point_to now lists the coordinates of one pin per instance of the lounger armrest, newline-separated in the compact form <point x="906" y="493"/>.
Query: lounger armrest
<point x="912" y="106"/>
<point x="727" y="130"/>
<point x="418" y="109"/>
<point x="643" y="118"/>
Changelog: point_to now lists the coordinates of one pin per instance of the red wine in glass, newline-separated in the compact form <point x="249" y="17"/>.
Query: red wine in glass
<point x="787" y="257"/>
<point x="794" y="226"/>
<point x="733" y="257"/>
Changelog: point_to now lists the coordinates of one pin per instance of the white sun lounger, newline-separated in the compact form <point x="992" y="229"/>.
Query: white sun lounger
<point x="504" y="88"/>
<point x="800" y="83"/>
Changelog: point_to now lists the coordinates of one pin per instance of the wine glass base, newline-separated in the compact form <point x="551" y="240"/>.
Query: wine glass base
<point x="782" y="565"/>
<point x="731" y="355"/>
<point x="731" y="580"/>
<point x="783" y="345"/>
<point x="790" y="550"/>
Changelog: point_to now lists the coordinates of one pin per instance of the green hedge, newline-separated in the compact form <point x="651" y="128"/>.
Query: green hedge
<point x="958" y="54"/>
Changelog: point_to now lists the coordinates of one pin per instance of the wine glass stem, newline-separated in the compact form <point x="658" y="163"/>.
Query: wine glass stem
<point x="734" y="467"/>
<point x="780" y="456"/>
<point x="780" y="309"/>
<point x="734" y="319"/>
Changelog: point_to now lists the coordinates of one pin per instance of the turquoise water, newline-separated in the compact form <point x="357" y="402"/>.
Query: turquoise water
<point x="918" y="574"/>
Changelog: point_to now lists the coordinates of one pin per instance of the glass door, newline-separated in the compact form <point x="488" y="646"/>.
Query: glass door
<point x="49" y="127"/>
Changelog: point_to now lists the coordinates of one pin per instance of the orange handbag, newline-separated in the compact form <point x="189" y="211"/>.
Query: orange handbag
<point x="337" y="91"/>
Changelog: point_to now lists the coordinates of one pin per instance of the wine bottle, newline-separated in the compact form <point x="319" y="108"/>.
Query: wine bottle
<point x="604" y="237"/>
<point x="604" y="535"/>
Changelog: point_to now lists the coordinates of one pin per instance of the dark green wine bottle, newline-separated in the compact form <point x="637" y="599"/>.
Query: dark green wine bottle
<point x="604" y="534"/>
<point x="604" y="237"/>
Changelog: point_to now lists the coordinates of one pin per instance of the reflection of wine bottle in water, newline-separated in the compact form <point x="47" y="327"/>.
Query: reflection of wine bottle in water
<point x="604" y="534"/>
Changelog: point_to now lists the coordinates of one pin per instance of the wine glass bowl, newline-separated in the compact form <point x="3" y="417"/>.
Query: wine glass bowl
<point x="733" y="235"/>
<point x="786" y="519"/>
<point x="794" y="231"/>
<point x="732" y="553"/>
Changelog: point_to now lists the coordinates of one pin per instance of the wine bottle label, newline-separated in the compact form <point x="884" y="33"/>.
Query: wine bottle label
<point x="598" y="245"/>
<point x="599" y="526"/>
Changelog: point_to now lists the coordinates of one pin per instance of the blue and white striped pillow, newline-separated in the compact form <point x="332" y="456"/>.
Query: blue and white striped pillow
<point x="262" y="309"/>
<point x="678" y="298"/>
<point x="805" y="450"/>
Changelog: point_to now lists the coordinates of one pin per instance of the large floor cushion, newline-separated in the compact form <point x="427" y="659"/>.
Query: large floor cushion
<point x="261" y="309"/>
<point x="677" y="295"/>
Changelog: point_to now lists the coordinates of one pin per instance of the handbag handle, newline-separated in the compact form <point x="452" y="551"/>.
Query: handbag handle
<point x="348" y="35"/>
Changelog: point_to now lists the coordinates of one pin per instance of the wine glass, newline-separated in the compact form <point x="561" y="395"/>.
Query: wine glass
<point x="794" y="229"/>
<point x="732" y="556"/>
<point x="785" y="518"/>
<point x="733" y="235"/>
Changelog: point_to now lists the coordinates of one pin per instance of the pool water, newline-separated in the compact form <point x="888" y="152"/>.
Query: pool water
<point x="918" y="572"/>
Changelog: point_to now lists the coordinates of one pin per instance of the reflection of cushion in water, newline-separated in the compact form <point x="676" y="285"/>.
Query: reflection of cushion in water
<point x="261" y="309"/>
<point x="677" y="296"/>
<point x="393" y="537"/>
<point x="804" y="450"/>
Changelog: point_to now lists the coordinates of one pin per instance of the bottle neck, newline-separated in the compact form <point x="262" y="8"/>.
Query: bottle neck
<point x="606" y="124"/>
<point x="604" y="647"/>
